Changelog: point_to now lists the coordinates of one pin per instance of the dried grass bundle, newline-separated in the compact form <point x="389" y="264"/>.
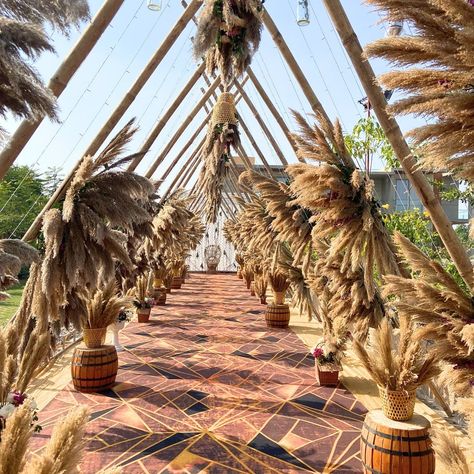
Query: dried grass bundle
<point x="261" y="285"/>
<point x="341" y="200"/>
<point x="290" y="222"/>
<point x="222" y="135"/>
<point x="228" y="35"/>
<point x="449" y="453"/>
<point x="22" y="40"/>
<point x="446" y="313"/>
<point x="437" y="79"/>
<point x="25" y="252"/>
<point x="102" y="306"/>
<point x="404" y="368"/>
<point x="82" y="240"/>
<point x="278" y="280"/>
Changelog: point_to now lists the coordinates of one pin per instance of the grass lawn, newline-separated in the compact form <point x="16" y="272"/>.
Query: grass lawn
<point x="9" y="306"/>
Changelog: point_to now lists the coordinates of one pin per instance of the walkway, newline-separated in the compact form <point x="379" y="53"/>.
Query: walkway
<point x="207" y="388"/>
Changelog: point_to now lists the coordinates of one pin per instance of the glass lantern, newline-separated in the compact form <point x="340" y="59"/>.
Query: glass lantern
<point x="395" y="28"/>
<point x="302" y="13"/>
<point x="154" y="5"/>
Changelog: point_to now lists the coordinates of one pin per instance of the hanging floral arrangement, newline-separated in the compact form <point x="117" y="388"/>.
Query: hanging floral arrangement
<point x="228" y="35"/>
<point x="222" y="135"/>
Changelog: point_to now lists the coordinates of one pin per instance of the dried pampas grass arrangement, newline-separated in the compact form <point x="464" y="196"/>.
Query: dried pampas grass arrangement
<point x="404" y="368"/>
<point x="102" y="306"/>
<point x="436" y="78"/>
<point x="445" y="311"/>
<point x="13" y="254"/>
<point x="222" y="135"/>
<point x="228" y="35"/>
<point x="341" y="201"/>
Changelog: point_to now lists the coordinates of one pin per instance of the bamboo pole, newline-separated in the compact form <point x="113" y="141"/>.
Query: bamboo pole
<point x="155" y="132"/>
<point x="394" y="134"/>
<point x="293" y="65"/>
<point x="118" y="113"/>
<point x="271" y="106"/>
<point x="181" y="129"/>
<point x="60" y="79"/>
<point x="262" y="124"/>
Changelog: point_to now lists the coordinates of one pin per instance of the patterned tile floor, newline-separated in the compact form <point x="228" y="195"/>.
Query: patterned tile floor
<point x="206" y="387"/>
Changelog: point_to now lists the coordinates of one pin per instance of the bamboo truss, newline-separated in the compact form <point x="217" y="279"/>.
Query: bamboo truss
<point x="390" y="126"/>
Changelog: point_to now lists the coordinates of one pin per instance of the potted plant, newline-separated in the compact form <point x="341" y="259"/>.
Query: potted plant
<point x="327" y="364"/>
<point x="260" y="286"/>
<point x="248" y="276"/>
<point x="101" y="308"/>
<point x="398" y="371"/>
<point x="123" y="317"/>
<point x="141" y="301"/>
<point x="279" y="283"/>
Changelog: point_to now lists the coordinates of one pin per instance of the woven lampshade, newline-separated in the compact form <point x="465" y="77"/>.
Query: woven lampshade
<point x="224" y="110"/>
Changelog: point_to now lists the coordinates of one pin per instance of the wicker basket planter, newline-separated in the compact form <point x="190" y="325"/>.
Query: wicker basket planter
<point x="143" y="315"/>
<point x="398" y="405"/>
<point x="327" y="375"/>
<point x="159" y="295"/>
<point x="279" y="297"/>
<point x="94" y="338"/>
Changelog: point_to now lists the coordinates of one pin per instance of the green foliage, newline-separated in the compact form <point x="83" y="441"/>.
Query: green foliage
<point x="416" y="226"/>
<point x="23" y="193"/>
<point x="8" y="307"/>
<point x="368" y="137"/>
<point x="463" y="192"/>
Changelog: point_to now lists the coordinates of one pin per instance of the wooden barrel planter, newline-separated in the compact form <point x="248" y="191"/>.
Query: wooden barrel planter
<point x="395" y="447"/>
<point x="176" y="283"/>
<point x="159" y="295"/>
<point x="277" y="315"/>
<point x="94" y="370"/>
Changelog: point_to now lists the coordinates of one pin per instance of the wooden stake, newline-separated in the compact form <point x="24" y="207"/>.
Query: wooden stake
<point x="118" y="113"/>
<point x="390" y="126"/>
<point x="60" y="79"/>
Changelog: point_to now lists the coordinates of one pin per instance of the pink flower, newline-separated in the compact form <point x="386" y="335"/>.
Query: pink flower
<point x="318" y="352"/>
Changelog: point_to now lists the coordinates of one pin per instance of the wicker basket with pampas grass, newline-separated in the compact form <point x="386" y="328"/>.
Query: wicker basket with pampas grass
<point x="279" y="283"/>
<point x="398" y="372"/>
<point x="101" y="308"/>
<point x="141" y="300"/>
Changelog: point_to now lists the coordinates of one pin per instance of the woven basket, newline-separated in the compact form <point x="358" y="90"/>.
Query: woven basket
<point x="224" y="110"/>
<point x="398" y="405"/>
<point x="94" y="338"/>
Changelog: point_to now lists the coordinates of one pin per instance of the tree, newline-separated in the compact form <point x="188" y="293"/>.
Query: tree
<point x="23" y="193"/>
<point x="368" y="140"/>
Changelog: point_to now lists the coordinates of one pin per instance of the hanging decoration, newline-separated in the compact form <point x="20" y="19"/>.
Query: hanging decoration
<point x="222" y="134"/>
<point x="154" y="5"/>
<point x="229" y="33"/>
<point x="302" y="13"/>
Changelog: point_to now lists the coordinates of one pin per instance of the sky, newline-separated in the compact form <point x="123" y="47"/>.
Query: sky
<point x="129" y="42"/>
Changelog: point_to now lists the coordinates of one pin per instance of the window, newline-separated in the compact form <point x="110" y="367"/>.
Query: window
<point x="405" y="196"/>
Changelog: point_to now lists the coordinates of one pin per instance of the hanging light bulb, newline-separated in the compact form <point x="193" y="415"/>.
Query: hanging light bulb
<point x="154" y="5"/>
<point x="395" y="28"/>
<point x="302" y="13"/>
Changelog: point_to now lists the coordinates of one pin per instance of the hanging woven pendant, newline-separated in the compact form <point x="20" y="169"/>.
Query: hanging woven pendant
<point x="228" y="34"/>
<point x="222" y="135"/>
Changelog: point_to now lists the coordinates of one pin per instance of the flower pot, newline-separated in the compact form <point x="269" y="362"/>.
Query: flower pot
<point x="279" y="297"/>
<point x="143" y="315"/>
<point x="176" y="283"/>
<point x="398" y="405"/>
<point x="277" y="316"/>
<point x="327" y="375"/>
<point x="116" y="328"/>
<point x="252" y="288"/>
<point x="263" y="300"/>
<point x="94" y="338"/>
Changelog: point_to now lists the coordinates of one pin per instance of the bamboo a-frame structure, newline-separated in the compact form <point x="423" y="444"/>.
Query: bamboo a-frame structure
<point x="361" y="65"/>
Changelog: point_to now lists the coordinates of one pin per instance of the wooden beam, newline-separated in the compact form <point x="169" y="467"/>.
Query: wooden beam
<point x="293" y="65"/>
<point x="118" y="113"/>
<point x="155" y="132"/>
<point x="181" y="129"/>
<point x="271" y="106"/>
<point x="60" y="79"/>
<point x="390" y="126"/>
<point x="262" y="124"/>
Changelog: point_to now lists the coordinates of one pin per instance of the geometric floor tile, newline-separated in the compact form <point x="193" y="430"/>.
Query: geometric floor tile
<point x="206" y="387"/>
